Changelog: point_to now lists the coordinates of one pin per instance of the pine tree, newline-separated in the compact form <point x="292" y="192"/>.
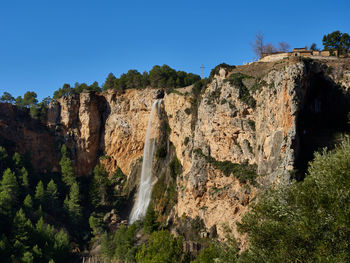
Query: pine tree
<point x="21" y="227"/>
<point x="17" y="160"/>
<point x="150" y="223"/>
<point x="72" y="205"/>
<point x="61" y="245"/>
<point x="28" y="203"/>
<point x="23" y="175"/>
<point x="3" y="158"/>
<point x="9" y="185"/>
<point x="52" y="195"/>
<point x="67" y="169"/>
<point x="100" y="187"/>
<point x="28" y="257"/>
<point x="21" y="233"/>
<point x="40" y="193"/>
<point x="110" y="82"/>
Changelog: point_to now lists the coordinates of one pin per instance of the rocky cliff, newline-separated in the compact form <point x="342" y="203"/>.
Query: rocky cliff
<point x="249" y="127"/>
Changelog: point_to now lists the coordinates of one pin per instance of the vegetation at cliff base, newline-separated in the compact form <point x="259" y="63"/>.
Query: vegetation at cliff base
<point x="306" y="221"/>
<point x="27" y="207"/>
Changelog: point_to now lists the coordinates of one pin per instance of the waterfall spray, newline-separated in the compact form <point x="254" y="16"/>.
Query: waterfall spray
<point x="143" y="197"/>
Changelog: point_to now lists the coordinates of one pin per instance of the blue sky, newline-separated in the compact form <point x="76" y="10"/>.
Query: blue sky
<point x="45" y="44"/>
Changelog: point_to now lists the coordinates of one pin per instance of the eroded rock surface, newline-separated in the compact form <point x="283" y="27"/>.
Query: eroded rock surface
<point x="248" y="116"/>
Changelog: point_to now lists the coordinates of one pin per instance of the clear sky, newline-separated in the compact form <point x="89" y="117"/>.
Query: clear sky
<point x="44" y="44"/>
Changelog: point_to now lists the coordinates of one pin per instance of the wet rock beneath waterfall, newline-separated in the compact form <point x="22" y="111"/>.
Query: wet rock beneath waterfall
<point x="160" y="94"/>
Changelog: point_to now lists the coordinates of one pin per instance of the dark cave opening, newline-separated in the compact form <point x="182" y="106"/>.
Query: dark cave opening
<point x="323" y="117"/>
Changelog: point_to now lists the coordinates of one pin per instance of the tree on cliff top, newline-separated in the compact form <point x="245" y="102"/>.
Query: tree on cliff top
<point x="7" y="97"/>
<point x="337" y="41"/>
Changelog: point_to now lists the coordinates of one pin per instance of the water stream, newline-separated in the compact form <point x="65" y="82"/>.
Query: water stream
<point x="143" y="196"/>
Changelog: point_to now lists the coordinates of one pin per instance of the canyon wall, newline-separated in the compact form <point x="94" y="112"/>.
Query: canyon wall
<point x="246" y="117"/>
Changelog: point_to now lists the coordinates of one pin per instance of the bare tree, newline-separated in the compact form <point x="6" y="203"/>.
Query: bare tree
<point x="283" y="47"/>
<point x="258" y="45"/>
<point x="270" y="49"/>
<point x="260" y="48"/>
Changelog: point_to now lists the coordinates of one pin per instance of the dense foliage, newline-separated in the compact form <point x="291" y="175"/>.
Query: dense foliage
<point x="161" y="77"/>
<point x="307" y="221"/>
<point x="26" y="234"/>
<point x="161" y="247"/>
<point x="47" y="217"/>
<point x="337" y="41"/>
<point x="78" y="88"/>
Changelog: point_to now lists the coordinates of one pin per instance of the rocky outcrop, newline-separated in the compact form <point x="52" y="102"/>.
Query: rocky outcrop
<point x="103" y="127"/>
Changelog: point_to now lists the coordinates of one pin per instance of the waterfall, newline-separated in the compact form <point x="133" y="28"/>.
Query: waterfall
<point x="143" y="197"/>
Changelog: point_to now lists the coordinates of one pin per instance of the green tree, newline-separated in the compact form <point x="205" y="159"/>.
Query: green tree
<point x="23" y="175"/>
<point x="28" y="203"/>
<point x="110" y="82"/>
<point x="71" y="203"/>
<point x="40" y="193"/>
<point x="96" y="223"/>
<point x="107" y="245"/>
<point x="21" y="233"/>
<point x="17" y="160"/>
<point x="28" y="257"/>
<point x="101" y="191"/>
<point x="124" y="240"/>
<point x="306" y="221"/>
<point x="94" y="87"/>
<point x="7" y="97"/>
<point x="162" y="247"/>
<point x="3" y="159"/>
<point x="9" y="185"/>
<point x="67" y="169"/>
<point x="150" y="223"/>
<point x="337" y="41"/>
<point x="64" y="91"/>
<point x="61" y="246"/>
<point x="30" y="99"/>
<point x="155" y="76"/>
<point x="19" y="102"/>
<point x="52" y="196"/>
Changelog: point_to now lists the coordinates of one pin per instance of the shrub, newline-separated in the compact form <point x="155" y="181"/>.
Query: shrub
<point x="215" y="70"/>
<point x="305" y="221"/>
<point x="243" y="172"/>
<point x="175" y="168"/>
<point x="161" y="152"/>
<point x="162" y="247"/>
<point x="236" y="79"/>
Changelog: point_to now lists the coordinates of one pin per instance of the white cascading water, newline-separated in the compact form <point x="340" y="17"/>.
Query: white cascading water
<point x="143" y="197"/>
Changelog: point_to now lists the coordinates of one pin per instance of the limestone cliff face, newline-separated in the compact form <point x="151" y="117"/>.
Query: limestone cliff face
<point x="107" y="126"/>
<point x="260" y="127"/>
<point x="227" y="129"/>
